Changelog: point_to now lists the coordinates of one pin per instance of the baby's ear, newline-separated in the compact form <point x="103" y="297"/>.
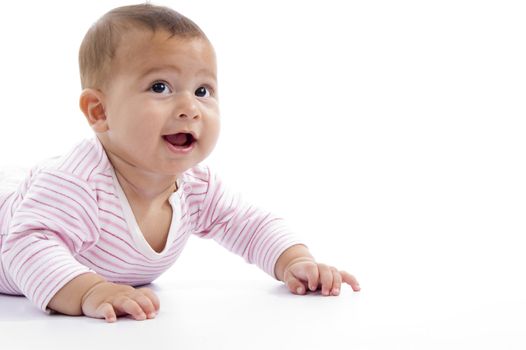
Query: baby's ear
<point x="92" y="107"/>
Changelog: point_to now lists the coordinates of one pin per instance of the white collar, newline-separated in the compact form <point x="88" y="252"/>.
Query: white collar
<point x="133" y="226"/>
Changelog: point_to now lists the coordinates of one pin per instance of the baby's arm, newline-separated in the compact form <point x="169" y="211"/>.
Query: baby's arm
<point x="262" y="239"/>
<point x="91" y="295"/>
<point x="55" y="221"/>
<point x="298" y="269"/>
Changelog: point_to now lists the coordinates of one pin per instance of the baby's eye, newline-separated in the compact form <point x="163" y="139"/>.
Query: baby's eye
<point x="160" y="88"/>
<point x="202" y="92"/>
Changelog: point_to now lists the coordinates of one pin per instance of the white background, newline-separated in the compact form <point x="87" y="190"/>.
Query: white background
<point x="390" y="134"/>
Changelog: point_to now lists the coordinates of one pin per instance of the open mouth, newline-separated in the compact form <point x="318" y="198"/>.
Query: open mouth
<point x="180" y="140"/>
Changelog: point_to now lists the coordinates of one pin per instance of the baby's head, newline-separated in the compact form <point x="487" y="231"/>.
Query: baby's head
<point x="150" y="89"/>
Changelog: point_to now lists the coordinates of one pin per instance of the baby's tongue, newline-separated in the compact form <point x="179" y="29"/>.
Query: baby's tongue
<point x="177" y="139"/>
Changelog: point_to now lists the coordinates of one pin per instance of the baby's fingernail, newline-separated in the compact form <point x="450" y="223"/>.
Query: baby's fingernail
<point x="336" y="291"/>
<point x="299" y="290"/>
<point x="152" y="315"/>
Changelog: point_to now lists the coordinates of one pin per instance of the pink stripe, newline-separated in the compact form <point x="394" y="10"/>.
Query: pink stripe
<point x="218" y="202"/>
<point x="9" y="261"/>
<point x="72" y="191"/>
<point x="49" y="197"/>
<point x="237" y="235"/>
<point x="103" y="182"/>
<point x="236" y="232"/>
<point x="40" y="225"/>
<point x="99" y="163"/>
<point x="256" y="248"/>
<point x="255" y="220"/>
<point x="126" y="248"/>
<point x="257" y="236"/>
<point x="119" y="249"/>
<point x="197" y="173"/>
<point x="110" y="208"/>
<point x="4" y="201"/>
<point x="119" y="231"/>
<point x="58" y="285"/>
<point x="191" y="206"/>
<point x="43" y="264"/>
<point x="195" y="194"/>
<point x="73" y="185"/>
<point x="42" y="222"/>
<point x="66" y="159"/>
<point x="105" y="192"/>
<point x="15" y="203"/>
<point x="104" y="264"/>
<point x="76" y="159"/>
<point x="229" y="208"/>
<point x="88" y="164"/>
<point x="45" y="207"/>
<point x="207" y="209"/>
<point x="106" y="252"/>
<point x="25" y="263"/>
<point x="54" y="279"/>
<point x="33" y="218"/>
<point x="115" y="214"/>
<point x="85" y="158"/>
<point x="269" y="252"/>
<point x="139" y="256"/>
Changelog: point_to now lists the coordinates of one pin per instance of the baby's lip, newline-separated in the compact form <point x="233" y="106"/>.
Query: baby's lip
<point x="183" y="132"/>
<point x="176" y="139"/>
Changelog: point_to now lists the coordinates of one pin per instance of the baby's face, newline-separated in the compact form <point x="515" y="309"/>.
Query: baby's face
<point x="161" y="102"/>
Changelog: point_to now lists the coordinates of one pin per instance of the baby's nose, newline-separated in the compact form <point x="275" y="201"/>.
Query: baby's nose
<point x="186" y="106"/>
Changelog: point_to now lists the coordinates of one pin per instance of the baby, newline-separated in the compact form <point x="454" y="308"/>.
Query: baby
<point x="83" y="230"/>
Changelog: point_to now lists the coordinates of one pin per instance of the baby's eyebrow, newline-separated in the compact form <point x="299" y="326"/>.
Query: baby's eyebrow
<point x="159" y="69"/>
<point x="208" y="73"/>
<point x="202" y="72"/>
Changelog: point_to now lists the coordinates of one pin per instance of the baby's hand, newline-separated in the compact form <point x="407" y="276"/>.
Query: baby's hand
<point x="108" y="300"/>
<point x="304" y="272"/>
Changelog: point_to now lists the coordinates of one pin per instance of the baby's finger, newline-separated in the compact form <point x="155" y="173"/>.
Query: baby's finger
<point x="105" y="310"/>
<point x="336" y="282"/>
<point x="313" y="276"/>
<point x="128" y="306"/>
<point x="351" y="280"/>
<point x="295" y="285"/>
<point x="153" y="298"/>
<point x="145" y="303"/>
<point x="326" y="279"/>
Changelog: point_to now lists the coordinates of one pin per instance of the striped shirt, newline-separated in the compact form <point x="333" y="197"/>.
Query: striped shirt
<point x="70" y="216"/>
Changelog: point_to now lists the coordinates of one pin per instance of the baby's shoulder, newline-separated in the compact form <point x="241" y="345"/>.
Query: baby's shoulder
<point x="81" y="165"/>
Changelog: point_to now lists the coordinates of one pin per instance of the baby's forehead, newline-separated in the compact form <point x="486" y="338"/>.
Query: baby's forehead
<point x="140" y="51"/>
<point x="147" y="45"/>
<point x="137" y="41"/>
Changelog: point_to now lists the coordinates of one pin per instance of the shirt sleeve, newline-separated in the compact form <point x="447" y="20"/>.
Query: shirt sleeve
<point x="56" y="220"/>
<point x="256" y="235"/>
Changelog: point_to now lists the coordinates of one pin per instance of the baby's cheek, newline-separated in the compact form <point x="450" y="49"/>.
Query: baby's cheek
<point x="211" y="136"/>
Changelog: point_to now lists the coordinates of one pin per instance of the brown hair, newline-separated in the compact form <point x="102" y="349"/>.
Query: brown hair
<point x="102" y="39"/>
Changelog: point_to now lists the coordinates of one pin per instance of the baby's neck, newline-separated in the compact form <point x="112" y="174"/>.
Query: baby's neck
<point x="145" y="189"/>
<point x="142" y="186"/>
